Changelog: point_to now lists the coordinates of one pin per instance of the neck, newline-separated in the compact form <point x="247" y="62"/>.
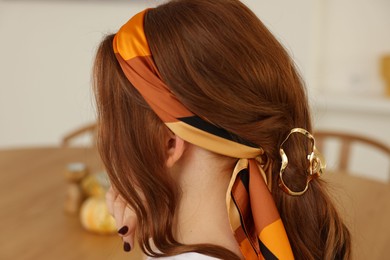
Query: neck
<point x="202" y="215"/>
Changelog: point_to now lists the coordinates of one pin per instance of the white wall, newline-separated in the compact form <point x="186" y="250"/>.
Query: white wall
<point x="350" y="91"/>
<point x="356" y="35"/>
<point x="47" y="48"/>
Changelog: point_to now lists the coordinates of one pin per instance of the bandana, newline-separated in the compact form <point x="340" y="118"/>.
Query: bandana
<point x="253" y="216"/>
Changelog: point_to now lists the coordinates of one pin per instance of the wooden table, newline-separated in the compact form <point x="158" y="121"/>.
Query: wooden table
<point x="34" y="226"/>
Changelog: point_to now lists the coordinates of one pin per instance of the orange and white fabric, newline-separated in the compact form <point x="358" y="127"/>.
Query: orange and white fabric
<point x="254" y="218"/>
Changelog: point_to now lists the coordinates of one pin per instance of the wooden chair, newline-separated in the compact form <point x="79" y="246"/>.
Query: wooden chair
<point x="346" y="143"/>
<point x="87" y="131"/>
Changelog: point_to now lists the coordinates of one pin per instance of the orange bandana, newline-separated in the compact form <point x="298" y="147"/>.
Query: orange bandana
<point x="253" y="216"/>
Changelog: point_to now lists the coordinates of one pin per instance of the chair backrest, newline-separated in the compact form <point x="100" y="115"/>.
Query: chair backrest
<point x="87" y="131"/>
<point x="346" y="143"/>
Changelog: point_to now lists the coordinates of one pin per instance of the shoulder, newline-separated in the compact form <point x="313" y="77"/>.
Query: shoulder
<point x="186" y="256"/>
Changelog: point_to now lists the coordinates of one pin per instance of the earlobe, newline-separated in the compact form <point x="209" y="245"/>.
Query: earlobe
<point x="175" y="148"/>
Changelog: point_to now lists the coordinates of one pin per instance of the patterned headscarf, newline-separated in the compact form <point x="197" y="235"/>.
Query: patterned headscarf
<point x="253" y="216"/>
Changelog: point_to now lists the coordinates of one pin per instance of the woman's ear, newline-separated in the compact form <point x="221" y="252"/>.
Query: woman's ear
<point x="175" y="147"/>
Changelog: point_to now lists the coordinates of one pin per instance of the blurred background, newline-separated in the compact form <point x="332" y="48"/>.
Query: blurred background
<point x="341" y="47"/>
<point x="47" y="49"/>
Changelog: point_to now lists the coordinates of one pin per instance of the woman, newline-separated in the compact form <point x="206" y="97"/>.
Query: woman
<point x="204" y="129"/>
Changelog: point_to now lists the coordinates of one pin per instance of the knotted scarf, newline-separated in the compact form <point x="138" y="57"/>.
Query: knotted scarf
<point x="253" y="216"/>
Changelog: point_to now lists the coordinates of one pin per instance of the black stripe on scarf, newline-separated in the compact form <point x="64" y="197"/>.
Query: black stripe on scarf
<point x="267" y="254"/>
<point x="201" y="124"/>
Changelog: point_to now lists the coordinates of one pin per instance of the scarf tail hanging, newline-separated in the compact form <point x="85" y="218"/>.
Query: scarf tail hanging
<point x="253" y="216"/>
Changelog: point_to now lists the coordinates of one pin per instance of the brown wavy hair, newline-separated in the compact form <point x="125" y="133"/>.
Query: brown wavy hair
<point x="223" y="64"/>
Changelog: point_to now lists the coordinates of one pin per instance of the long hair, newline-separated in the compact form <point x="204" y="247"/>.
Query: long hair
<point x="224" y="65"/>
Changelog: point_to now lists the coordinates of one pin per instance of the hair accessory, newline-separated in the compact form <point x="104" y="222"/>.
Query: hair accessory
<point x="253" y="215"/>
<point x="315" y="169"/>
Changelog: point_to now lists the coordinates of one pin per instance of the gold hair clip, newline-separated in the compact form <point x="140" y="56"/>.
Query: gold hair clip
<point x="316" y="167"/>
